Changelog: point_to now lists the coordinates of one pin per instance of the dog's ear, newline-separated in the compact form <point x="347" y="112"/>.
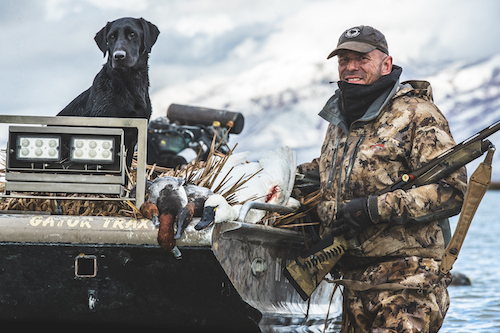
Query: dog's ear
<point x="101" y="38"/>
<point x="150" y="34"/>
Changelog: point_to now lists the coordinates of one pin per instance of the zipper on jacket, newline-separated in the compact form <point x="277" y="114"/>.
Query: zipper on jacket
<point x="350" y="164"/>
<point x="353" y="157"/>
<point x="339" y="183"/>
<point x="333" y="166"/>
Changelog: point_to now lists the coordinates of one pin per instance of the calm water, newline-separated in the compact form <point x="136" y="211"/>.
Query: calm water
<point x="476" y="308"/>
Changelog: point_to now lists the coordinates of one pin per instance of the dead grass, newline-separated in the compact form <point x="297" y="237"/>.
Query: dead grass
<point x="202" y="173"/>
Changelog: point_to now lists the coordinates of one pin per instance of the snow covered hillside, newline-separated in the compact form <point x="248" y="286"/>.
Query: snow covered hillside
<point x="280" y="102"/>
<point x="469" y="96"/>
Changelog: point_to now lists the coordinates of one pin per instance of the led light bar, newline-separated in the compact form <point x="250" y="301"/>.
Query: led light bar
<point x="41" y="148"/>
<point x="92" y="149"/>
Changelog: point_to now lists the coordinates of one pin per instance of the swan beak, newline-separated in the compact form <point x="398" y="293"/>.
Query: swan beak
<point x="207" y="218"/>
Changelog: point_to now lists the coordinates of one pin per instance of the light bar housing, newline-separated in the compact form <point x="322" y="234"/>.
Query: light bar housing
<point x="65" y="177"/>
<point x="65" y="159"/>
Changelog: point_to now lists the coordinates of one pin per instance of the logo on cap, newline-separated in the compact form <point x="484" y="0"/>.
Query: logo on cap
<point x="353" y="32"/>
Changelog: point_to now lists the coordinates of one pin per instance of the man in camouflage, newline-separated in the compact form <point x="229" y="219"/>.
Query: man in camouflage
<point x="379" y="130"/>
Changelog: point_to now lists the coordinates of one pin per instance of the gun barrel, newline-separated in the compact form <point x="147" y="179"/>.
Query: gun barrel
<point x="193" y="115"/>
<point x="495" y="127"/>
<point x="442" y="167"/>
<point x="454" y="162"/>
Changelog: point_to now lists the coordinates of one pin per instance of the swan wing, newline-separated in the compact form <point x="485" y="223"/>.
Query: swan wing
<point x="278" y="174"/>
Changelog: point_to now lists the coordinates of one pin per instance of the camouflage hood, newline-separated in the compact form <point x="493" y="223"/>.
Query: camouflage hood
<point x="401" y="131"/>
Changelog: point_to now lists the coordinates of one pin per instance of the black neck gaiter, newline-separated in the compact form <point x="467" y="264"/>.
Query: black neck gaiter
<point x="356" y="98"/>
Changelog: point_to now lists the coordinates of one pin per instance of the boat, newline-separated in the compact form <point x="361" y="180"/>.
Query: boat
<point x="101" y="272"/>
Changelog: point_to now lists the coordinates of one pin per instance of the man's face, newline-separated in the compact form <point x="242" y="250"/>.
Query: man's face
<point x="363" y="68"/>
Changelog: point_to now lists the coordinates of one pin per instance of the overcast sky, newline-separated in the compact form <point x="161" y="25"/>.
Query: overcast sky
<point x="48" y="55"/>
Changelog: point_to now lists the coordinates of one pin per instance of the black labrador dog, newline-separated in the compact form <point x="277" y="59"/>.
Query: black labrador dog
<point x="121" y="88"/>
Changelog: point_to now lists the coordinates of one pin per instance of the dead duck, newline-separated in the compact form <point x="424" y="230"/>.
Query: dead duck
<point x="165" y="235"/>
<point x="166" y="197"/>
<point x="150" y="211"/>
<point x="173" y="197"/>
<point x="197" y="195"/>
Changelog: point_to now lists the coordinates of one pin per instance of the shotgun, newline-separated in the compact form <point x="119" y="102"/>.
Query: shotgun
<point x="307" y="271"/>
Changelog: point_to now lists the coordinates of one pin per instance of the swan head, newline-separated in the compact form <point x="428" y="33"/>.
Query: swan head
<point x="216" y="210"/>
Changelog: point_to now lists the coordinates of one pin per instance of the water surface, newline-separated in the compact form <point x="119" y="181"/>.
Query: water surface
<point x="475" y="308"/>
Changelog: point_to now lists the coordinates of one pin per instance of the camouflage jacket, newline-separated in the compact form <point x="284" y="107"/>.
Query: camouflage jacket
<point x="401" y="131"/>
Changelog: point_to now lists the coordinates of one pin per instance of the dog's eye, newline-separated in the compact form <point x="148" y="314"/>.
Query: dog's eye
<point x="112" y="37"/>
<point x="132" y="34"/>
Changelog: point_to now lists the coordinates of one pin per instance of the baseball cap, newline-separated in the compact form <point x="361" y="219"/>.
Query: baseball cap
<point x="361" y="39"/>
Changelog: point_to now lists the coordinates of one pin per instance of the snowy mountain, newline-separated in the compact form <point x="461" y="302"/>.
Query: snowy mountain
<point x="280" y="101"/>
<point x="469" y="96"/>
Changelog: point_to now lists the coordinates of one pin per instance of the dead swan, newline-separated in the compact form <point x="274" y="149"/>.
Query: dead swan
<point x="273" y="185"/>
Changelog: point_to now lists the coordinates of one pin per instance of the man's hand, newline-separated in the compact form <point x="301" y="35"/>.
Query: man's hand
<point x="352" y="218"/>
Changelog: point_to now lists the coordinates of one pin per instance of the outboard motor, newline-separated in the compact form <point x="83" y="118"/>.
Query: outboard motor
<point x="188" y="131"/>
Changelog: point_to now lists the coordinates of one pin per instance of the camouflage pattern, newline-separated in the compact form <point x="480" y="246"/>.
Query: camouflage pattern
<point x="402" y="311"/>
<point x="400" y="132"/>
<point x="406" y="132"/>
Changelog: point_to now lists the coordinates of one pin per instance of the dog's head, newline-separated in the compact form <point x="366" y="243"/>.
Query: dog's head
<point x="126" y="39"/>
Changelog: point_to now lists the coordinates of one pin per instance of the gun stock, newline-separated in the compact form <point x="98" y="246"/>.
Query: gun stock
<point x="307" y="271"/>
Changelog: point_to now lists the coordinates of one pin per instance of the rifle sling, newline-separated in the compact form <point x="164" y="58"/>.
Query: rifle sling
<point x="477" y="187"/>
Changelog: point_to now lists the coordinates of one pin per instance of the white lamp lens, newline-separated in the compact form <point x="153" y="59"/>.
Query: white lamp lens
<point x="92" y="150"/>
<point x="38" y="148"/>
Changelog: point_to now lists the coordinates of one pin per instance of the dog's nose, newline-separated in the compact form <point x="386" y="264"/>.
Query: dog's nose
<point x="119" y="55"/>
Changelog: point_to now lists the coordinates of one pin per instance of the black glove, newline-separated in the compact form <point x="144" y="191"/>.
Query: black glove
<point x="352" y="218"/>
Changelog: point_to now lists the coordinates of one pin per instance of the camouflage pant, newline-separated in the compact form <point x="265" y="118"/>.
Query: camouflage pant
<point x="402" y="310"/>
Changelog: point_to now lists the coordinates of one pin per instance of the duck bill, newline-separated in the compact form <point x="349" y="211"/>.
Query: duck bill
<point x="207" y="219"/>
<point x="178" y="234"/>
<point x="181" y="218"/>
<point x="155" y="220"/>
